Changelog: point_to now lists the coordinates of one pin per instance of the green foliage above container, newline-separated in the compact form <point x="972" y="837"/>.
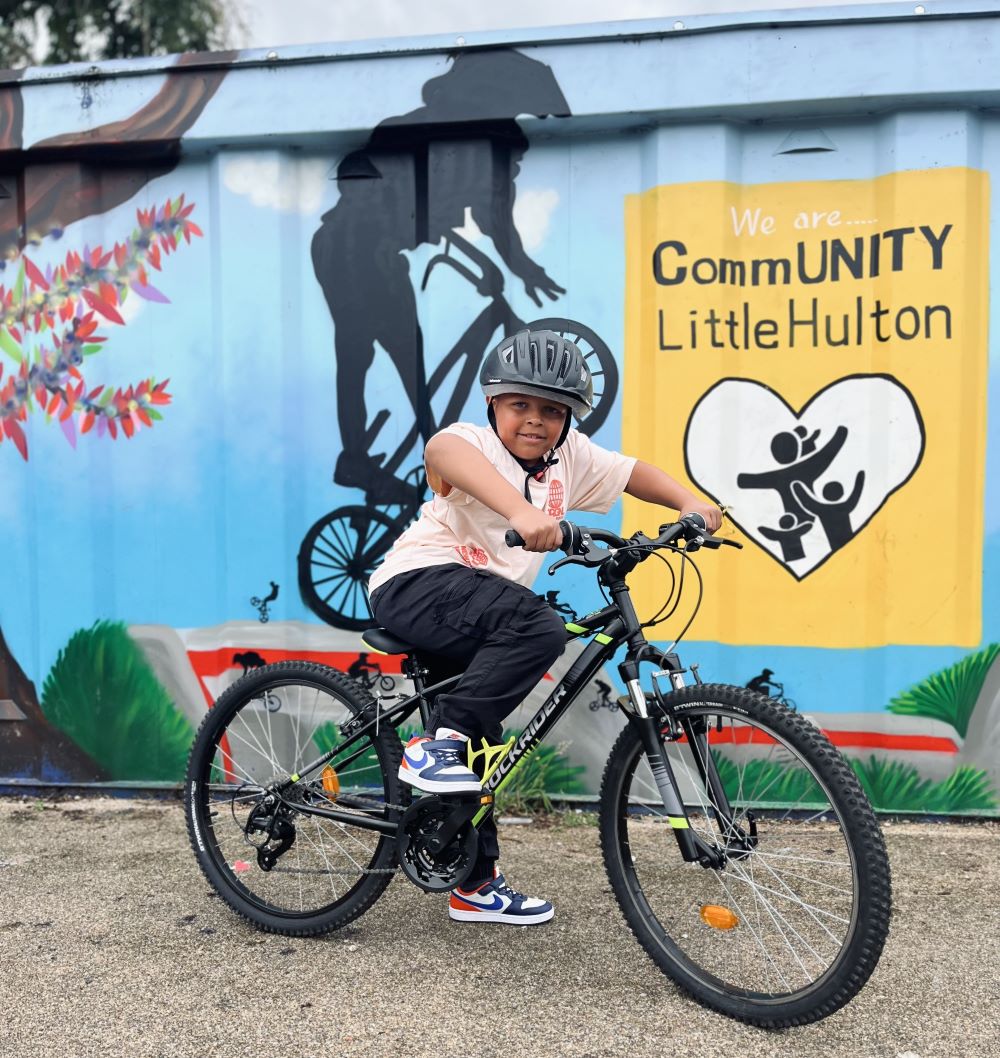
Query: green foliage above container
<point x="104" y="695"/>
<point x="949" y="694"/>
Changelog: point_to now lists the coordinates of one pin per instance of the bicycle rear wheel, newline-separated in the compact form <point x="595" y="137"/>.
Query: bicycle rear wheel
<point x="335" y="560"/>
<point x="791" y="925"/>
<point x="282" y="868"/>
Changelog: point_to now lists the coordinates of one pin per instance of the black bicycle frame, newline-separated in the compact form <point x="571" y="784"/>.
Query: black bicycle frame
<point x="613" y="626"/>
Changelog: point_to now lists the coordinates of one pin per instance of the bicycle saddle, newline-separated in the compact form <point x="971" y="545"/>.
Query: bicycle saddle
<point x="385" y="642"/>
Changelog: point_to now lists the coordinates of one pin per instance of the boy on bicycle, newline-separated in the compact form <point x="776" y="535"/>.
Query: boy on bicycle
<point x="452" y="587"/>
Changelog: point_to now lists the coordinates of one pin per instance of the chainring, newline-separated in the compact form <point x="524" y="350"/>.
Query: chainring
<point x="434" y="873"/>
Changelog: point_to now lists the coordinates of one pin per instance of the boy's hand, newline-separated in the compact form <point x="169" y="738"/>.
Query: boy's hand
<point x="708" y="511"/>
<point x="539" y="531"/>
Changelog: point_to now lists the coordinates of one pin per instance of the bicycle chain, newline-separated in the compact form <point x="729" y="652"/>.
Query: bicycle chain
<point x="363" y="870"/>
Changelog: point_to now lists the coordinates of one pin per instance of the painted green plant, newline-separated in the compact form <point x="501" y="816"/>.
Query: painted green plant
<point x="949" y="694"/>
<point x="103" y="694"/>
<point x="544" y="772"/>
<point x="896" y="787"/>
<point x="764" y="782"/>
<point x="891" y="786"/>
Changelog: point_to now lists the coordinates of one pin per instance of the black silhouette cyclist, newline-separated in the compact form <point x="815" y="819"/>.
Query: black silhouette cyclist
<point x="410" y="185"/>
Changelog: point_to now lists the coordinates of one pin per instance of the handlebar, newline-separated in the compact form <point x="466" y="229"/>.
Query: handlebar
<point x="577" y="540"/>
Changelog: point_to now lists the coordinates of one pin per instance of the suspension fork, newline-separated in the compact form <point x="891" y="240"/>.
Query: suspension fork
<point x="696" y="731"/>
<point x="666" y="784"/>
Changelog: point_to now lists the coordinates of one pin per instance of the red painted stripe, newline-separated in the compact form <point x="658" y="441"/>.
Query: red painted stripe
<point x="216" y="662"/>
<point x="845" y="739"/>
<point x="881" y="740"/>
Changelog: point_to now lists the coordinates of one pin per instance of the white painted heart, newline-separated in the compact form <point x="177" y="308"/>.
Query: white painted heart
<point x="803" y="484"/>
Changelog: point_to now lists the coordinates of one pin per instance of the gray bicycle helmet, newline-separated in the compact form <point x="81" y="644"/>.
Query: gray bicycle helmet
<point x="539" y="363"/>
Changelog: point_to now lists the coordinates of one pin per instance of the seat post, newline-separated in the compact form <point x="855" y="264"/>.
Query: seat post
<point x="413" y="670"/>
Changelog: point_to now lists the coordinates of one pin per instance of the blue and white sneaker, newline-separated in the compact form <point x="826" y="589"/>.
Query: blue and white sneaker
<point x="495" y="901"/>
<point x="438" y="766"/>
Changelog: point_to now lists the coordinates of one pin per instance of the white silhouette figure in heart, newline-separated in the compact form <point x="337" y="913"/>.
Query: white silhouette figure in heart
<point x="803" y="484"/>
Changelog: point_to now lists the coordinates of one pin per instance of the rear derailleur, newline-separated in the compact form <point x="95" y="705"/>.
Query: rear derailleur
<point x="268" y="818"/>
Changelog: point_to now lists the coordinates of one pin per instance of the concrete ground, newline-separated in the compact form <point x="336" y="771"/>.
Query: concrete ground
<point x="112" y="944"/>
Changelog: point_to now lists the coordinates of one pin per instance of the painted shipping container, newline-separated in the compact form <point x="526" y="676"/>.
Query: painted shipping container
<point x="239" y="290"/>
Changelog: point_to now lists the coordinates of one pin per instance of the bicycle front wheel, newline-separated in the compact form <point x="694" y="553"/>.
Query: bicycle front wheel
<point x="791" y="924"/>
<point x="247" y="796"/>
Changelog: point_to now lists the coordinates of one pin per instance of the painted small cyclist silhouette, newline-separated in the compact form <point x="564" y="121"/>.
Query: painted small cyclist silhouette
<point x="367" y="672"/>
<point x="603" y="699"/>
<point x="261" y="604"/>
<point x="250" y="659"/>
<point x="763" y="684"/>
<point x="552" y="598"/>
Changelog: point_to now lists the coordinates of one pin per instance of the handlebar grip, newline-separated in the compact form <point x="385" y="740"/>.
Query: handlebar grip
<point x="512" y="538"/>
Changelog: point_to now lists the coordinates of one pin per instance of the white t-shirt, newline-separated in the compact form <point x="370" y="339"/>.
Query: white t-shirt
<point x="458" y="528"/>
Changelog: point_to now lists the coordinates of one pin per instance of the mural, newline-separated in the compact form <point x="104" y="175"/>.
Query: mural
<point x="809" y="348"/>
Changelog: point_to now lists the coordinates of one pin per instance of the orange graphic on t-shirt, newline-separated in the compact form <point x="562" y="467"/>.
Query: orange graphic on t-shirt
<point x="554" y="502"/>
<point x="472" y="555"/>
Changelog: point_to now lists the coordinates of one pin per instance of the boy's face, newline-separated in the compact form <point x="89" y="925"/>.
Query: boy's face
<point x="528" y="426"/>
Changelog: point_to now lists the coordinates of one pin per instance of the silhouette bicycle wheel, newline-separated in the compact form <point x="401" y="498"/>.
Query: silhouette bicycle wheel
<point x="336" y="559"/>
<point x="600" y="361"/>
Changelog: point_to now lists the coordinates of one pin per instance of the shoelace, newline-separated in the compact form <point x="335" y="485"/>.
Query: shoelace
<point x="448" y="754"/>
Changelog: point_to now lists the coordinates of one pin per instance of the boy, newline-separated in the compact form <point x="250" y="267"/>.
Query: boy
<point x="452" y="587"/>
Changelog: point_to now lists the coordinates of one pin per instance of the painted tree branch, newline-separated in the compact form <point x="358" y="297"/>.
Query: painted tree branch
<point x="48" y="325"/>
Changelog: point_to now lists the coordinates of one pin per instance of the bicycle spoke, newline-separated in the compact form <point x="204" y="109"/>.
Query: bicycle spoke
<point x="784" y="883"/>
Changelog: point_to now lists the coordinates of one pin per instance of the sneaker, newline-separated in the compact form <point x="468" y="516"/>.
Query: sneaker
<point x="438" y="766"/>
<point x="495" y="901"/>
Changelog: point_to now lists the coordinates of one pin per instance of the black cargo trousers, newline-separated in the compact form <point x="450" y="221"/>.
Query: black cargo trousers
<point x="500" y="635"/>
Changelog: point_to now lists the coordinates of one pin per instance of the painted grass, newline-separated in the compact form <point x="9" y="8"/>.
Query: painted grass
<point x="891" y="786"/>
<point x="544" y="772"/>
<point x="949" y="694"/>
<point x="102" y="693"/>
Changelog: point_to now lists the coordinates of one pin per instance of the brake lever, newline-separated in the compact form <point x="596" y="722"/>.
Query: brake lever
<point x="714" y="542"/>
<point x="590" y="556"/>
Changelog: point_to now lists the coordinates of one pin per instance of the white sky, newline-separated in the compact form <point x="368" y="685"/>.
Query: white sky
<point x="270" y="23"/>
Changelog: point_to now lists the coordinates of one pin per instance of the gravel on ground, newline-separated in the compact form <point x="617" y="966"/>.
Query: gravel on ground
<point x="112" y="943"/>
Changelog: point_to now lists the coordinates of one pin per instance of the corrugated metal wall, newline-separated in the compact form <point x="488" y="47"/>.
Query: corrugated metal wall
<point x="258" y="231"/>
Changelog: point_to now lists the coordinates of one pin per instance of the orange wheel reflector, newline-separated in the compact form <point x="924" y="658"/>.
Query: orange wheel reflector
<point x="330" y="782"/>
<point x="718" y="917"/>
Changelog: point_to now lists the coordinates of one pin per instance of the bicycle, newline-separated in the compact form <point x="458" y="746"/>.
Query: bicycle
<point x="340" y="549"/>
<point x="738" y="843"/>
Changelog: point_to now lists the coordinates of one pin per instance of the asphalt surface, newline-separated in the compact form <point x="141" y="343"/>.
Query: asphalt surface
<point x="112" y="943"/>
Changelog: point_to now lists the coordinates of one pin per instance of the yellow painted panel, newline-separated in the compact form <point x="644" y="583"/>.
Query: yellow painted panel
<point x="814" y="354"/>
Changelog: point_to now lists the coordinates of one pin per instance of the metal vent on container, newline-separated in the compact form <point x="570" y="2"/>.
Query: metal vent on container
<point x="806" y="141"/>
